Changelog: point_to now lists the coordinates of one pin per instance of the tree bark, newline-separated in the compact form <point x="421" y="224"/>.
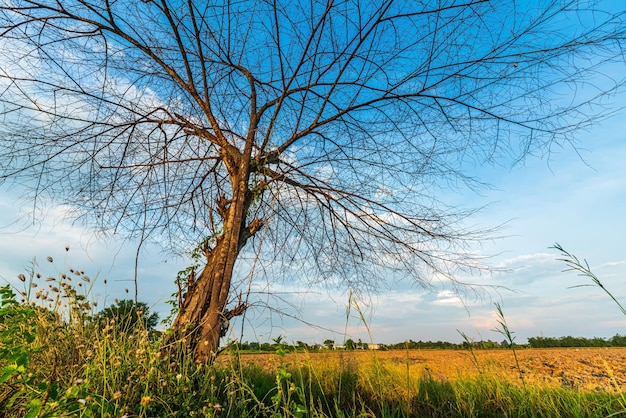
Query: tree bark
<point x="203" y="317"/>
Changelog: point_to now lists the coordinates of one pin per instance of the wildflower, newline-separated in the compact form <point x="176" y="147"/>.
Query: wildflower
<point x="117" y="395"/>
<point x="179" y="376"/>
<point x="50" y="259"/>
<point x="67" y="247"/>
<point x="145" y="400"/>
<point x="21" y="277"/>
<point x="80" y="401"/>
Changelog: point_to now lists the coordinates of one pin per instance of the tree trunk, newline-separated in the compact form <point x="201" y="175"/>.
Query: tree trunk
<point x="203" y="317"/>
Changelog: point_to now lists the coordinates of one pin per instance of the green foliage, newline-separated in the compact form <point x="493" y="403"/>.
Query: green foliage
<point x="57" y="362"/>
<point x="126" y="316"/>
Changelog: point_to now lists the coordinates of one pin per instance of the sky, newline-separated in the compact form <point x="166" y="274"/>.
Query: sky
<point x="574" y="197"/>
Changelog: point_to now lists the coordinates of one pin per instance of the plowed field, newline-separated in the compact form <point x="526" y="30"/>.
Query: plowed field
<point x="576" y="368"/>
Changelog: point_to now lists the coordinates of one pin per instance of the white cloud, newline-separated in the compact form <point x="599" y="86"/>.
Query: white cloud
<point x="448" y="298"/>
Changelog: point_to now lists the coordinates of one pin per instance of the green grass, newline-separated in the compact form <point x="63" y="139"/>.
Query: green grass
<point x="55" y="361"/>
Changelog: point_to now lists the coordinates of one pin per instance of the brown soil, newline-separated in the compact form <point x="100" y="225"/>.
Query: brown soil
<point x="576" y="368"/>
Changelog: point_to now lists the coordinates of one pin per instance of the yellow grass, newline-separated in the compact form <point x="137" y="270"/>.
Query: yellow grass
<point x="588" y="369"/>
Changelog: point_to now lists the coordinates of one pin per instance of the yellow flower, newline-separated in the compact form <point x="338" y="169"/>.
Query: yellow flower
<point x="145" y="400"/>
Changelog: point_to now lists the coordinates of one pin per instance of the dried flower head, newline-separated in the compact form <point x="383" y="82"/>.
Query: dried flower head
<point x="50" y="259"/>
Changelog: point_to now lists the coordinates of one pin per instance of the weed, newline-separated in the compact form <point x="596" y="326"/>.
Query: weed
<point x="582" y="267"/>
<point x="504" y="330"/>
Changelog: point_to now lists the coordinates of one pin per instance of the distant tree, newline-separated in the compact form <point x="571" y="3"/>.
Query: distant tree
<point x="618" y="340"/>
<point x="329" y="344"/>
<point x="126" y="315"/>
<point x="349" y="344"/>
<point x="330" y="126"/>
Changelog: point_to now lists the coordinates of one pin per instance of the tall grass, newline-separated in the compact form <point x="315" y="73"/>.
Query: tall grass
<point x="57" y="361"/>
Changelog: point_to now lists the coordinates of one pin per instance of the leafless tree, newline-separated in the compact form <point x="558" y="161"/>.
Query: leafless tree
<point x="318" y="133"/>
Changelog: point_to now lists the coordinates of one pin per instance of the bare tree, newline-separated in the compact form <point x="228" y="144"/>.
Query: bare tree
<point x="324" y="129"/>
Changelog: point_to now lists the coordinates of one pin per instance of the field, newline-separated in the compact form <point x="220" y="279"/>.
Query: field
<point x="586" y="369"/>
<point x="66" y="363"/>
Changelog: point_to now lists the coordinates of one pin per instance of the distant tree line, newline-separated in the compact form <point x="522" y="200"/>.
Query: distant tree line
<point x="569" y="341"/>
<point x="349" y="344"/>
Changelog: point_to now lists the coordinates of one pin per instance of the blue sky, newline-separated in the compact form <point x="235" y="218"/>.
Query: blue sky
<point x="575" y="200"/>
<point x="574" y="197"/>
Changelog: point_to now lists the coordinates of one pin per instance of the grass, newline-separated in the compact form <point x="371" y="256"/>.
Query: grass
<point x="55" y="361"/>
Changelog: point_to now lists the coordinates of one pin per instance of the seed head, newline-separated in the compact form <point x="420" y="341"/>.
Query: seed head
<point x="21" y="277"/>
<point x="50" y="259"/>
